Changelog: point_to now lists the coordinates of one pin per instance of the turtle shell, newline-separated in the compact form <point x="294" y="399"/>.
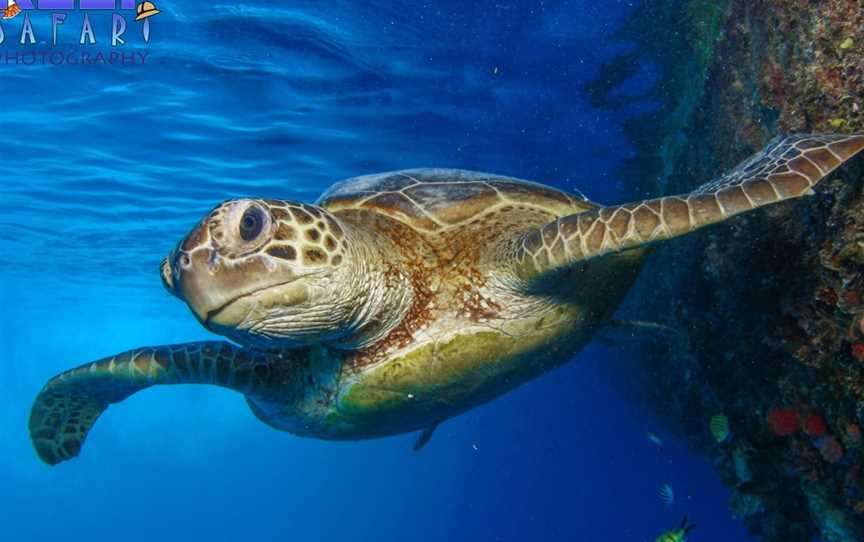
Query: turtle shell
<point x="433" y="200"/>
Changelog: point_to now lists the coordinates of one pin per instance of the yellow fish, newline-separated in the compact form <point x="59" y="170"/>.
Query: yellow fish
<point x="678" y="535"/>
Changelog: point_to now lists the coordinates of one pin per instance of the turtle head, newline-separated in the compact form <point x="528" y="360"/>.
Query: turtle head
<point x="270" y="274"/>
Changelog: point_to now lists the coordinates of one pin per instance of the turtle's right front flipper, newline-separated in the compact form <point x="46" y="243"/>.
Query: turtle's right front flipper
<point x="789" y="167"/>
<point x="69" y="404"/>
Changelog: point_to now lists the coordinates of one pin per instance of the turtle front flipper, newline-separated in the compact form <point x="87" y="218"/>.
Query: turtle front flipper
<point x="71" y="402"/>
<point x="787" y="168"/>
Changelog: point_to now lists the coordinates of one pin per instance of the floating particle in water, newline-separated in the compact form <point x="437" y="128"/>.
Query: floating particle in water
<point x="783" y="422"/>
<point x="667" y="495"/>
<point x="719" y="427"/>
<point x="814" y="426"/>
<point x="656" y="440"/>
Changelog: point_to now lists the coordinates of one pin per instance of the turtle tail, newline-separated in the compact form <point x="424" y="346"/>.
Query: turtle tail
<point x="71" y="402"/>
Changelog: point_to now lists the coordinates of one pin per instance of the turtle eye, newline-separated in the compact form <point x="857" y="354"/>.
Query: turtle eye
<point x="252" y="223"/>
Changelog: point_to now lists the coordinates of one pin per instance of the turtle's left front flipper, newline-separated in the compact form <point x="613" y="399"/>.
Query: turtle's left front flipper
<point x="69" y="404"/>
<point x="787" y="168"/>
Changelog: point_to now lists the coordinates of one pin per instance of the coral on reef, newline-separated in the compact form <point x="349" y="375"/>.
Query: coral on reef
<point x="783" y="422"/>
<point x="852" y="435"/>
<point x="831" y="450"/>
<point x="770" y="304"/>
<point x="858" y="351"/>
<point x="814" y="425"/>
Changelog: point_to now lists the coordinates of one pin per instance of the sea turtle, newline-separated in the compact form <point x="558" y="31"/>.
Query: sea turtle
<point x="402" y="299"/>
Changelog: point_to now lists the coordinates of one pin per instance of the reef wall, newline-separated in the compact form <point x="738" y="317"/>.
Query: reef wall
<point x="769" y="304"/>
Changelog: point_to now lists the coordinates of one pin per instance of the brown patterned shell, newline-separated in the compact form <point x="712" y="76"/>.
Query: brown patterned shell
<point x="434" y="200"/>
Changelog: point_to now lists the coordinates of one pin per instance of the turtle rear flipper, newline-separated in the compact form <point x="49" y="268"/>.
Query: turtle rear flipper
<point x="787" y="168"/>
<point x="71" y="402"/>
<point x="618" y="332"/>
<point x="424" y="437"/>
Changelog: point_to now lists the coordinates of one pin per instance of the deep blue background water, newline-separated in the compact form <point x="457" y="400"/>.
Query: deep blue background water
<point x="106" y="167"/>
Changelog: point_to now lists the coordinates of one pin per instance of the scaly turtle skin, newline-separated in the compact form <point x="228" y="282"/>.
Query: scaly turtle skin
<point x="403" y="299"/>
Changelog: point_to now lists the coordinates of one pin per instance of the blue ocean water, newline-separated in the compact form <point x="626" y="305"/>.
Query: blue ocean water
<point x="107" y="166"/>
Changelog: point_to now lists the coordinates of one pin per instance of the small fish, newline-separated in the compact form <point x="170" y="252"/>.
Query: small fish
<point x="655" y="439"/>
<point x="837" y="123"/>
<point x="667" y="495"/>
<point x="678" y="535"/>
<point x="719" y="426"/>
<point x="848" y="43"/>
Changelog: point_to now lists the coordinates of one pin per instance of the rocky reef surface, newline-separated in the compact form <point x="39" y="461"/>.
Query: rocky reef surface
<point x="769" y="305"/>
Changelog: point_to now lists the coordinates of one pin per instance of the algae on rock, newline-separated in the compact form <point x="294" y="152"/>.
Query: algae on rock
<point x="770" y="303"/>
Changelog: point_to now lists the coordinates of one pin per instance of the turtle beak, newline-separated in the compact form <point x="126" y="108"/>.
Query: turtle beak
<point x="202" y="280"/>
<point x="189" y="277"/>
<point x="167" y="274"/>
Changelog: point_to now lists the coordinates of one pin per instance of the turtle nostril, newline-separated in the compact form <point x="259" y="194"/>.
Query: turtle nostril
<point x="180" y="260"/>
